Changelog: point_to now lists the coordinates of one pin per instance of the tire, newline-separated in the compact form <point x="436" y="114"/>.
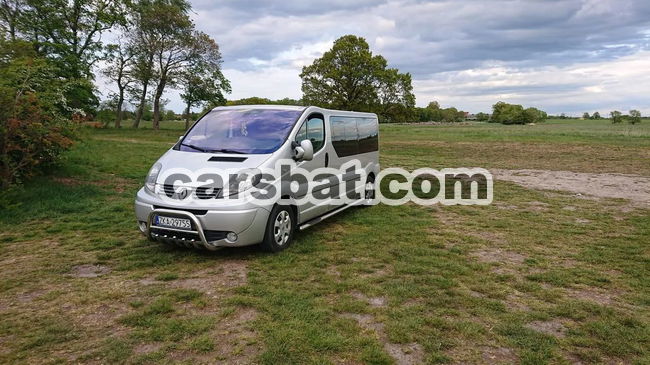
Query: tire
<point x="279" y="229"/>
<point x="369" y="192"/>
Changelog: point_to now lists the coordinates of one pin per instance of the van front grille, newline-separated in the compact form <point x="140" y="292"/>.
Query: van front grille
<point x="184" y="192"/>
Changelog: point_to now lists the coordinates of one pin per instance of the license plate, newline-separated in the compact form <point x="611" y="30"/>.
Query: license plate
<point x="180" y="223"/>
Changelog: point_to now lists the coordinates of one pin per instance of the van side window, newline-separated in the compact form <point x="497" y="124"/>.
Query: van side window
<point x="368" y="135"/>
<point x="345" y="136"/>
<point x="313" y="129"/>
<point x="354" y="135"/>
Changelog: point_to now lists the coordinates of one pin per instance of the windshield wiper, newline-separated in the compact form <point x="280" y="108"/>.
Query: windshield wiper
<point x="221" y="150"/>
<point x="195" y="147"/>
<point x="225" y="150"/>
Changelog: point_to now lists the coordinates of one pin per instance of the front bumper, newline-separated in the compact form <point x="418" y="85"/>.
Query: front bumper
<point x="209" y="226"/>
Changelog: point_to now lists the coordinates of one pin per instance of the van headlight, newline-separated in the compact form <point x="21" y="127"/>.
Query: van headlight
<point x="244" y="180"/>
<point x="152" y="176"/>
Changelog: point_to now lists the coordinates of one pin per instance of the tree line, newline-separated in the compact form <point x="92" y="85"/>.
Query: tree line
<point x="633" y="117"/>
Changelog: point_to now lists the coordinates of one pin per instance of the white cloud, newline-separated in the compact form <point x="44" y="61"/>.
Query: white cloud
<point x="621" y="84"/>
<point x="269" y="82"/>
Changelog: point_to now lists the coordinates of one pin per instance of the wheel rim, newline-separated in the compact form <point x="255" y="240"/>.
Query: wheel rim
<point x="282" y="227"/>
<point x="370" y="192"/>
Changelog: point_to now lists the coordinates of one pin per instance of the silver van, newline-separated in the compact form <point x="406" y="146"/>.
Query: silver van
<point x="248" y="139"/>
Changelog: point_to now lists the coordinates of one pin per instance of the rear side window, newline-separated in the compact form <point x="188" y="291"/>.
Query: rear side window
<point x="368" y="135"/>
<point x="354" y="135"/>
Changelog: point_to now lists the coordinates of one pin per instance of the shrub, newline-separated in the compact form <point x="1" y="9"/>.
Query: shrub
<point x="33" y="128"/>
<point x="505" y="113"/>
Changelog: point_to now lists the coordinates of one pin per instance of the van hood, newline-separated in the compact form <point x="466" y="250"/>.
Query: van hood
<point x="196" y="161"/>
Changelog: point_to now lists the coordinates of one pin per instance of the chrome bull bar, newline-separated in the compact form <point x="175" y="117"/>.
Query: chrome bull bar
<point x="174" y="235"/>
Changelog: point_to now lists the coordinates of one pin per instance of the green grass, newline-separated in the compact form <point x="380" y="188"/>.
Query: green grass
<point x="466" y="284"/>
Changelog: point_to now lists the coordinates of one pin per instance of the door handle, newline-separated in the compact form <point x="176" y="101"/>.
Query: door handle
<point x="327" y="159"/>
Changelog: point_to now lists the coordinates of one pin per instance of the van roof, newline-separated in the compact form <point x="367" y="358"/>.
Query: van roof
<point x="289" y="107"/>
<point x="263" y="106"/>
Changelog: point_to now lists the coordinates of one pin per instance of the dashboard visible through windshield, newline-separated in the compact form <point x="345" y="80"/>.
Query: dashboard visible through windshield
<point x="254" y="131"/>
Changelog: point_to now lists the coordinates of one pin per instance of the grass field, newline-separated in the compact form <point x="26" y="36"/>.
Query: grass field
<point x="536" y="277"/>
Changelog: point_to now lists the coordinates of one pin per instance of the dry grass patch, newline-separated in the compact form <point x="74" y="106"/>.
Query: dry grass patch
<point x="376" y="302"/>
<point x="89" y="271"/>
<point x="228" y="274"/>
<point x="555" y="327"/>
<point x="591" y="294"/>
<point x="635" y="188"/>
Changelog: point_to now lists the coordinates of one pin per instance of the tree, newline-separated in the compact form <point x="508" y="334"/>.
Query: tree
<point x="344" y="77"/>
<point x="147" y="111"/>
<point x="142" y="43"/>
<point x="452" y="115"/>
<point x="533" y="115"/>
<point x="434" y="111"/>
<point x="617" y="117"/>
<point x="585" y="115"/>
<point x="396" y="98"/>
<point x="202" y="80"/>
<point x="10" y="16"/>
<point x="68" y="33"/>
<point x="170" y="27"/>
<point x="505" y="113"/>
<point x="119" y="58"/>
<point x="596" y="115"/>
<point x="350" y="77"/>
<point x="70" y="30"/>
<point x="635" y="116"/>
<point x="262" y="101"/>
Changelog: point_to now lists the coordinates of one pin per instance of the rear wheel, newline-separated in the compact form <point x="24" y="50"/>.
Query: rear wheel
<point x="279" y="229"/>
<point x="369" y="191"/>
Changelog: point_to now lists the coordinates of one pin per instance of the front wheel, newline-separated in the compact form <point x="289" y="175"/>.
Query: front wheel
<point x="279" y="229"/>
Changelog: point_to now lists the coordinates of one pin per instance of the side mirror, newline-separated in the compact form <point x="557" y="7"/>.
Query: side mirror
<point x="304" y="152"/>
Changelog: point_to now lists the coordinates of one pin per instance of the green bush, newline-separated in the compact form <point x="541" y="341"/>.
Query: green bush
<point x="505" y="113"/>
<point x="33" y="128"/>
<point x="433" y="113"/>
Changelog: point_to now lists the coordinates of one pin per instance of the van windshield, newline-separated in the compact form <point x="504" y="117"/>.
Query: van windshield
<point x="254" y="131"/>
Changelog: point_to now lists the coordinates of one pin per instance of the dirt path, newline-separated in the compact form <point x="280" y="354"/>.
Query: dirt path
<point x="635" y="188"/>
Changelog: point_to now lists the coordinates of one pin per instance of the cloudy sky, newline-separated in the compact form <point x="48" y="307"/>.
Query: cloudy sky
<point x="560" y="55"/>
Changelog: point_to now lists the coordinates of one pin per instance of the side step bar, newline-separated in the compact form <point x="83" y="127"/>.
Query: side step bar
<point x="327" y="215"/>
